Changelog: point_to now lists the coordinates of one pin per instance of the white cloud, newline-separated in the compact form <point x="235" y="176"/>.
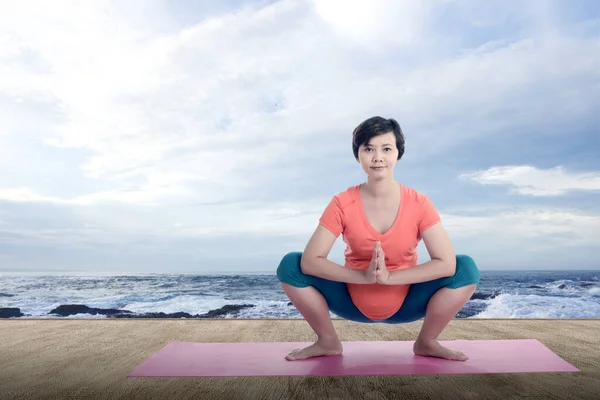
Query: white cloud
<point x="196" y="101"/>
<point x="376" y="24"/>
<point x="216" y="112"/>
<point x="22" y="194"/>
<point x="531" y="181"/>
<point x="545" y="227"/>
<point x="120" y="214"/>
<point x="540" y="226"/>
<point x="137" y="196"/>
<point x="526" y="238"/>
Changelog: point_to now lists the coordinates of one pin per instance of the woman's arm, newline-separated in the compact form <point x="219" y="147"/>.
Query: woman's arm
<point x="314" y="260"/>
<point x="442" y="263"/>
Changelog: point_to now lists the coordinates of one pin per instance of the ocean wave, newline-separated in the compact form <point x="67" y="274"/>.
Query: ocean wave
<point x="508" y="305"/>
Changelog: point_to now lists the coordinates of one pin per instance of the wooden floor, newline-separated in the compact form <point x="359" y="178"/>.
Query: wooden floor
<point x="90" y="358"/>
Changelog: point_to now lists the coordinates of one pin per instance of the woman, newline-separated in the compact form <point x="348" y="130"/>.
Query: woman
<point x="382" y="222"/>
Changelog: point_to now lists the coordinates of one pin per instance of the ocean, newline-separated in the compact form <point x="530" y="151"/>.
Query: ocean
<point x="500" y="294"/>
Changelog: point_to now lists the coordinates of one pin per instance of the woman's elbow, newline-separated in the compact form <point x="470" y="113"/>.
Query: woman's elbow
<point x="308" y="264"/>
<point x="304" y="263"/>
<point x="451" y="266"/>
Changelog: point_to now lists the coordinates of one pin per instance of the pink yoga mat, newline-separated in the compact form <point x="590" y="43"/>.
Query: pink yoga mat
<point x="185" y="359"/>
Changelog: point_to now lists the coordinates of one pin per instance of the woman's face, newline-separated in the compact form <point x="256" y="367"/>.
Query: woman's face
<point x="379" y="156"/>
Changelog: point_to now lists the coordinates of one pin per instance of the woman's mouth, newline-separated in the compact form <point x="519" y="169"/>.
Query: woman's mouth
<point x="377" y="168"/>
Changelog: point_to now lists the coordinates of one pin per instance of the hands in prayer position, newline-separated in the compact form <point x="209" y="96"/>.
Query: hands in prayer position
<point x="377" y="272"/>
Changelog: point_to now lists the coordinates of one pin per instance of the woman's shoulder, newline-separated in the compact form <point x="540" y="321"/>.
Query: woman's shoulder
<point x="347" y="196"/>
<point x="351" y="194"/>
<point x="414" y="196"/>
<point x="412" y="193"/>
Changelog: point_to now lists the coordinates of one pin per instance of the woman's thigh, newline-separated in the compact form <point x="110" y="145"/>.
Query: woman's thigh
<point x="335" y="293"/>
<point x="419" y="294"/>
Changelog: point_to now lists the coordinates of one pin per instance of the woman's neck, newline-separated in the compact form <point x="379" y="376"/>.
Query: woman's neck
<point x="381" y="188"/>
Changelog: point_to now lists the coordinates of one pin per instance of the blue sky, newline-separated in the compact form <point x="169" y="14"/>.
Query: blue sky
<point x="168" y="137"/>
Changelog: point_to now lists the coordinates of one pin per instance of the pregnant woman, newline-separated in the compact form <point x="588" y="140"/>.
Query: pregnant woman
<point x="382" y="222"/>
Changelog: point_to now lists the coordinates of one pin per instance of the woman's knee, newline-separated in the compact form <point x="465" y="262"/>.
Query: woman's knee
<point x="467" y="272"/>
<point x="289" y="270"/>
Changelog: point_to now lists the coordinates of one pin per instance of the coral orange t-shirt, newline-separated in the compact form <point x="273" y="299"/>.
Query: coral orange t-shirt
<point x="345" y="215"/>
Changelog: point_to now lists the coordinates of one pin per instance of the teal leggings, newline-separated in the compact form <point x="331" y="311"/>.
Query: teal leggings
<point x="340" y="303"/>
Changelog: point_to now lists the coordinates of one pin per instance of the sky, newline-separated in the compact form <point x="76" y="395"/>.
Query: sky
<point x="206" y="137"/>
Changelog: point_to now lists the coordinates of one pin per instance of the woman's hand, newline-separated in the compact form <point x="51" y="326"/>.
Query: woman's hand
<point x="371" y="272"/>
<point x="381" y="272"/>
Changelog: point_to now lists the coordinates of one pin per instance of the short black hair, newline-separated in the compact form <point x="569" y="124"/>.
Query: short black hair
<point x="376" y="126"/>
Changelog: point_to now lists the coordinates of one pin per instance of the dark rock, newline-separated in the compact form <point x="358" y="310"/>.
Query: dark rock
<point x="72" y="309"/>
<point x="534" y="287"/>
<point x="218" y="313"/>
<point x="7" y="295"/>
<point x="483" y="296"/>
<point x="587" y="284"/>
<point x="290" y="303"/>
<point x="10" y="313"/>
<point x="563" y="286"/>
<point x="154" y="315"/>
<point x="227" y="309"/>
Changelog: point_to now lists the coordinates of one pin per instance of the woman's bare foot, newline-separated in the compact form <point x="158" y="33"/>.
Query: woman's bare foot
<point x="321" y="347"/>
<point x="433" y="348"/>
